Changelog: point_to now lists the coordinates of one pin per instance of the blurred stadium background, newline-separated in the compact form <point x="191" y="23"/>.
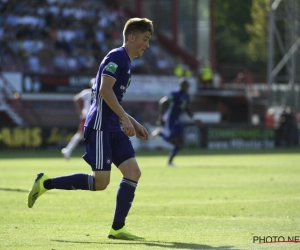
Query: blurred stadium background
<point x="243" y="66"/>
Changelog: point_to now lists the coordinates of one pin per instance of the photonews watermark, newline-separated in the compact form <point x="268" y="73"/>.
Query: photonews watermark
<point x="275" y="239"/>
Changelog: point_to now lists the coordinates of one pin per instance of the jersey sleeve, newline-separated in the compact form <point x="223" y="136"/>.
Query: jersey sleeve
<point x="113" y="65"/>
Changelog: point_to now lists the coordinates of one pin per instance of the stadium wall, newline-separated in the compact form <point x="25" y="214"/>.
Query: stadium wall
<point x="216" y="137"/>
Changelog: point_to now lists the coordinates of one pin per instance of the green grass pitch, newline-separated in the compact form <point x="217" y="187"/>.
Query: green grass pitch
<point x="210" y="200"/>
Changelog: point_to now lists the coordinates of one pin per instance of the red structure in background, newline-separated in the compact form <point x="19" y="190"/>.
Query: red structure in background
<point x="136" y="8"/>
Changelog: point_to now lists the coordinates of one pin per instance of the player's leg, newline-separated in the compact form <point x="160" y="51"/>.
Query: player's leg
<point x="124" y="159"/>
<point x="76" y="138"/>
<point x="102" y="179"/>
<point x="125" y="195"/>
<point x="131" y="175"/>
<point x="99" y="156"/>
<point x="94" y="151"/>
<point x="67" y="151"/>
<point x="43" y="183"/>
<point x="159" y="129"/>
<point x="162" y="131"/>
<point x="176" y="138"/>
<point x="177" y="146"/>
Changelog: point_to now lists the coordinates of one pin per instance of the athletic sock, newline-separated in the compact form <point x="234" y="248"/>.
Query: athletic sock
<point x="118" y="225"/>
<point x="71" y="182"/>
<point x="125" y="197"/>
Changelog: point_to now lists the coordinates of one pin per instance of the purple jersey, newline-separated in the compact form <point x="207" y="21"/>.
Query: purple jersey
<point x="116" y="64"/>
<point x="178" y="100"/>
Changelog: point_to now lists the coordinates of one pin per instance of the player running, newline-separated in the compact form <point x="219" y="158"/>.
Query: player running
<point x="105" y="141"/>
<point x="82" y="103"/>
<point x="170" y="126"/>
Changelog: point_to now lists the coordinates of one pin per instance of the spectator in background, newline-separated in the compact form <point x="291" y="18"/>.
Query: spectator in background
<point x="33" y="63"/>
<point x="288" y="133"/>
<point x="206" y="75"/>
<point x="217" y="80"/>
<point x="60" y="61"/>
<point x="182" y="70"/>
<point x="269" y="119"/>
<point x="162" y="65"/>
<point x="224" y="112"/>
<point x="179" y="69"/>
<point x="65" y="28"/>
<point x="82" y="103"/>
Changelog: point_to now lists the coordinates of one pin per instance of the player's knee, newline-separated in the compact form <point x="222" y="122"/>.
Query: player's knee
<point x="135" y="174"/>
<point x="138" y="173"/>
<point x="99" y="186"/>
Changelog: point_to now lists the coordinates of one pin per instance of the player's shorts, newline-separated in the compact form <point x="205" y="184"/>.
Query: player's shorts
<point x="172" y="129"/>
<point x="81" y="126"/>
<point x="104" y="148"/>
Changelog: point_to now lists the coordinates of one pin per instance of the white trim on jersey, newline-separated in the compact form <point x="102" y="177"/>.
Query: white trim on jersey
<point x="109" y="75"/>
<point x="98" y="120"/>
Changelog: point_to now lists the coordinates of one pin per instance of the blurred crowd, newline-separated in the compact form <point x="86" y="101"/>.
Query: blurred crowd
<point x="50" y="36"/>
<point x="286" y="123"/>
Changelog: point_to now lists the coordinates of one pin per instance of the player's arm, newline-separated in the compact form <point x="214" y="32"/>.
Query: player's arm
<point x="140" y="131"/>
<point x="191" y="115"/>
<point x="106" y="91"/>
<point x="162" y="105"/>
<point x="189" y="111"/>
<point x="78" y="103"/>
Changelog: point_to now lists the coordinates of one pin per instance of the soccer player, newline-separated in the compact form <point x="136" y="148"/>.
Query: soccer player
<point x="170" y="126"/>
<point x="82" y="103"/>
<point x="105" y="141"/>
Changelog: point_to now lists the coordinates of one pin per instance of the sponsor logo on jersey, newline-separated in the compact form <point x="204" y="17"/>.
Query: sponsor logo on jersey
<point x="111" y="67"/>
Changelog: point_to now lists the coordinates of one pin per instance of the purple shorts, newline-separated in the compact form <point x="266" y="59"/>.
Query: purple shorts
<point x="103" y="148"/>
<point x="172" y="130"/>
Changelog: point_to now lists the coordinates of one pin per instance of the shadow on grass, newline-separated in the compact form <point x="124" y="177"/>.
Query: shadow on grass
<point x="18" y="190"/>
<point x="14" y="190"/>
<point x="162" y="244"/>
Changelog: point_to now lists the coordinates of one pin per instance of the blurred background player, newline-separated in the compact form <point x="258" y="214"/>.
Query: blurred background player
<point x="170" y="127"/>
<point x="82" y="103"/>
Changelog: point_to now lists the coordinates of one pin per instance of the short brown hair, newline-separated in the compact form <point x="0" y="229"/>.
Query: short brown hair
<point x="137" y="25"/>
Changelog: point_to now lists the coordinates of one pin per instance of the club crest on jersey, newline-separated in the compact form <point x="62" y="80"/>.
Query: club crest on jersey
<point x="111" y="67"/>
<point x="108" y="161"/>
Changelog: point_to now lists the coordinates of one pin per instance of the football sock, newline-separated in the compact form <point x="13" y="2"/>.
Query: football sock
<point x="118" y="225"/>
<point x="174" y="152"/>
<point x="71" y="182"/>
<point x="125" y="197"/>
